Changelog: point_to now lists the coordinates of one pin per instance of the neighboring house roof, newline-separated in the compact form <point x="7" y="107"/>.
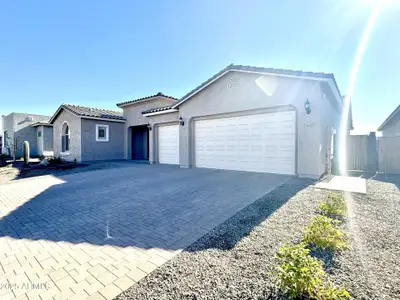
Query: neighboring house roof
<point x="42" y="123"/>
<point x="249" y="69"/>
<point x="350" y="114"/>
<point x="90" y="113"/>
<point x="395" y="112"/>
<point x="122" y="104"/>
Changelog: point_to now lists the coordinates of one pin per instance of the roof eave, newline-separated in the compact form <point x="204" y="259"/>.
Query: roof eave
<point x="54" y="117"/>
<point x="41" y="124"/>
<point x="125" y="104"/>
<point x="389" y="118"/>
<point x="167" y="111"/>
<point x="103" y="119"/>
<point x="222" y="73"/>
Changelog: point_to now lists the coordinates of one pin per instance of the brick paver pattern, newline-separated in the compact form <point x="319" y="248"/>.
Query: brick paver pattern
<point x="93" y="235"/>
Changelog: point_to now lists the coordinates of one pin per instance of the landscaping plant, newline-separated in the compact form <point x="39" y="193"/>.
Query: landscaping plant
<point x="300" y="275"/>
<point x="334" y="205"/>
<point x="325" y="233"/>
<point x="55" y="161"/>
<point x="3" y="159"/>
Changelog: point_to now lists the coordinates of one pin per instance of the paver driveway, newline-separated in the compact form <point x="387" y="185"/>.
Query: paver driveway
<point x="94" y="234"/>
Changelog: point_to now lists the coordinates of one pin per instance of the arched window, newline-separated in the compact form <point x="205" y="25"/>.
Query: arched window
<point x="65" y="138"/>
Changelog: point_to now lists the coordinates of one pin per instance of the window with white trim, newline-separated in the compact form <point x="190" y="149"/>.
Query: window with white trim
<point x="102" y="133"/>
<point x="65" y="138"/>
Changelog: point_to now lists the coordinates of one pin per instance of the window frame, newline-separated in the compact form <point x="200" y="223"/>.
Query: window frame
<point x="107" y="132"/>
<point x="67" y="136"/>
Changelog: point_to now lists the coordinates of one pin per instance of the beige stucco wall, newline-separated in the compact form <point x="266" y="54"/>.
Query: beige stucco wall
<point x="247" y="93"/>
<point x="74" y="124"/>
<point x="392" y="129"/>
<point x="134" y="117"/>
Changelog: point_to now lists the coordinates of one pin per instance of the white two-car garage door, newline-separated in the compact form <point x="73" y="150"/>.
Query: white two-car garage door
<point x="168" y="144"/>
<point x="254" y="143"/>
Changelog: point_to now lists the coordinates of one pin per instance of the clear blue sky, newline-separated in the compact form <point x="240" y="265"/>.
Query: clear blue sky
<point x="98" y="53"/>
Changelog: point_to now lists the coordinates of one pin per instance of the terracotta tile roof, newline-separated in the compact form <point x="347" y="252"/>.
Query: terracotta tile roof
<point x="146" y="98"/>
<point x="156" y="109"/>
<point x="83" y="111"/>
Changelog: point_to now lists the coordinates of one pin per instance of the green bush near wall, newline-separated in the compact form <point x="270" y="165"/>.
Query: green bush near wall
<point x="300" y="275"/>
<point x="325" y="233"/>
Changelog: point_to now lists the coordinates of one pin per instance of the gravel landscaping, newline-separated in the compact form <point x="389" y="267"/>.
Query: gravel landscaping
<point x="235" y="260"/>
<point x="371" y="270"/>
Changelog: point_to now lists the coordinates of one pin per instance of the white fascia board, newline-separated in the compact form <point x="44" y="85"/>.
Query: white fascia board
<point x="160" y="112"/>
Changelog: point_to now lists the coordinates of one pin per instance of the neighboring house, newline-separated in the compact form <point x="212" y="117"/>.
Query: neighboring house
<point x="20" y="127"/>
<point x="1" y="143"/>
<point x="391" y="126"/>
<point x="87" y="134"/>
<point x="243" y="118"/>
<point x="44" y="136"/>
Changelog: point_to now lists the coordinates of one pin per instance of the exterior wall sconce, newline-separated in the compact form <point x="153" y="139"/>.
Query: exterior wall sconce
<point x="149" y="127"/>
<point x="307" y="106"/>
<point x="181" y="122"/>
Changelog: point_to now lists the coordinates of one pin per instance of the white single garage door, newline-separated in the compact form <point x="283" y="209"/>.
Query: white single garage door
<point x="254" y="143"/>
<point x="168" y="144"/>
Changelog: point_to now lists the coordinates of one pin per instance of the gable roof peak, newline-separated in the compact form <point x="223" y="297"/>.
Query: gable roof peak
<point x="90" y="112"/>
<point x="395" y="112"/>
<point x="159" y="94"/>
<point x="268" y="71"/>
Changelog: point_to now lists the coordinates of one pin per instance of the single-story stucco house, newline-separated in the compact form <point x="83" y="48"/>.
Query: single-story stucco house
<point x="391" y="126"/>
<point x="20" y="127"/>
<point x="243" y="118"/>
<point x="87" y="134"/>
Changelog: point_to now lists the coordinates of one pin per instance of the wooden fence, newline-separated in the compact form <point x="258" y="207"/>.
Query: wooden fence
<point x="367" y="153"/>
<point x="361" y="153"/>
<point x="389" y="155"/>
<point x="357" y="153"/>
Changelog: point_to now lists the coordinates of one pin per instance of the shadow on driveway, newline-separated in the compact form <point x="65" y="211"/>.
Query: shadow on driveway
<point x="146" y="206"/>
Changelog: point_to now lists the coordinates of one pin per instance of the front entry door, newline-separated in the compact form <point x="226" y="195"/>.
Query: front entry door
<point x="140" y="143"/>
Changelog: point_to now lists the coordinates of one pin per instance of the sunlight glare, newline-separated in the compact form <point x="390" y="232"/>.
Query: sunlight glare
<point x="353" y="76"/>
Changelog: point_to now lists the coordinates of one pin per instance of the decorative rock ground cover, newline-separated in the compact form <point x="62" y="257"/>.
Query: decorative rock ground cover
<point x="236" y="259"/>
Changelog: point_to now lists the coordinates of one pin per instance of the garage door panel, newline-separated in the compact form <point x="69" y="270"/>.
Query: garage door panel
<point x="256" y="143"/>
<point x="168" y="144"/>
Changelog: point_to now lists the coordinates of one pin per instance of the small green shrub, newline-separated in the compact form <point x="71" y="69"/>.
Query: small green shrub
<point x="334" y="205"/>
<point x="330" y="292"/>
<point x="324" y="233"/>
<point x="299" y="274"/>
